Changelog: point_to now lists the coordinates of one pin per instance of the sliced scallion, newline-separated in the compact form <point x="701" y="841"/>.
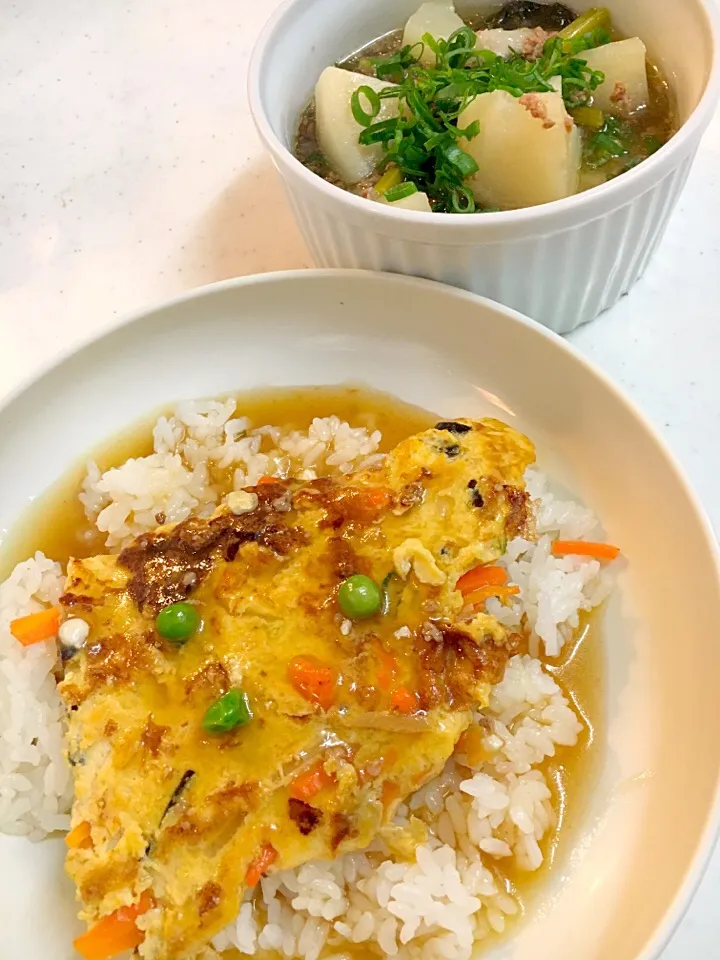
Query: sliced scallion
<point x="399" y="192"/>
<point x="358" y="111"/>
<point x="590" y="20"/>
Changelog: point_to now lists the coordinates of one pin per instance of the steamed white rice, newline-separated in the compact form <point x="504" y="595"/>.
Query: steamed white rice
<point x="197" y="441"/>
<point x="439" y="900"/>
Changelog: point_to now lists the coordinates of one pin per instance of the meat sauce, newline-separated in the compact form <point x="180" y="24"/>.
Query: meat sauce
<point x="56" y="525"/>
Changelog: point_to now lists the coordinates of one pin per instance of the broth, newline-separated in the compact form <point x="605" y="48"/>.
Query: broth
<point x="56" y="524"/>
<point x="645" y="130"/>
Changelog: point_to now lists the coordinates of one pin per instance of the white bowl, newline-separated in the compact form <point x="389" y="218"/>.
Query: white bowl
<point x="644" y="838"/>
<point x="561" y="263"/>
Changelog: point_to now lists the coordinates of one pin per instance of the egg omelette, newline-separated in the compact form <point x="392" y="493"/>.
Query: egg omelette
<point x="333" y="720"/>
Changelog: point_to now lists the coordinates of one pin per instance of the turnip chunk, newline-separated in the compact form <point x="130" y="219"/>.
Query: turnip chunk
<point x="438" y="18"/>
<point x="504" y="42"/>
<point x="416" y="201"/>
<point x="527" y="151"/>
<point x="337" y="128"/>
<point x="625" y="87"/>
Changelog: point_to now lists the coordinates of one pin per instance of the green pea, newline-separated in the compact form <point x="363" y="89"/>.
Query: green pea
<point x="360" y="597"/>
<point x="178" y="622"/>
<point x="230" y="711"/>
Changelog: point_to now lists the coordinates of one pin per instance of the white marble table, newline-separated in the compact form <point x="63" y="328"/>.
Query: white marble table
<point x="130" y="171"/>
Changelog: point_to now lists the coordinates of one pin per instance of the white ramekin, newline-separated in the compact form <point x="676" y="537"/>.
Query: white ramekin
<point x="561" y="263"/>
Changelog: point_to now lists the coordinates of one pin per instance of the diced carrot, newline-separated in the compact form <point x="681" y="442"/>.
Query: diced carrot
<point x="480" y="596"/>
<point x="36" y="626"/>
<point x="264" y="480"/>
<point x="260" y="865"/>
<point x="310" y="782"/>
<point x="390" y="793"/>
<point x="585" y="548"/>
<point x="388" y="667"/>
<point x="471" y="743"/>
<point x="403" y="700"/>
<point x="115" y="933"/>
<point x="79" y="837"/>
<point x="313" y="680"/>
<point x="481" y="577"/>
<point x="368" y="503"/>
<point x="376" y="498"/>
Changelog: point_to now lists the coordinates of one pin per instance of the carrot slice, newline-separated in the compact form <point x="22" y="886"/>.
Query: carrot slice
<point x="403" y="700"/>
<point x="387" y="669"/>
<point x="79" y="837"/>
<point x="313" y="680"/>
<point x="375" y="498"/>
<point x="484" y="593"/>
<point x="390" y="793"/>
<point x="261" y="864"/>
<point x="36" y="627"/>
<point x="481" y="577"/>
<point x="585" y="548"/>
<point x="310" y="782"/>
<point x="115" y="933"/>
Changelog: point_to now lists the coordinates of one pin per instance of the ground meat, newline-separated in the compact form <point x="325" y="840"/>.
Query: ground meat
<point x="305" y="817"/>
<point x="537" y="108"/>
<point x="619" y="95"/>
<point x="532" y="46"/>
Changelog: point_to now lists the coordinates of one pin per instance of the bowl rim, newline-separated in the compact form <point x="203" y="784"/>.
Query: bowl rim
<point x="587" y="205"/>
<point x="710" y="832"/>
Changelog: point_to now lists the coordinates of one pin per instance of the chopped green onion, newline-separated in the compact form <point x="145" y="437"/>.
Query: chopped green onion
<point x="462" y="201"/>
<point x="612" y="140"/>
<point x="381" y="131"/>
<point x="589" y="117"/>
<point x="399" y="192"/>
<point x="423" y="142"/>
<point x="460" y="160"/>
<point x="590" y="20"/>
<point x="361" y="116"/>
<point x="471" y="130"/>
<point x="430" y="41"/>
